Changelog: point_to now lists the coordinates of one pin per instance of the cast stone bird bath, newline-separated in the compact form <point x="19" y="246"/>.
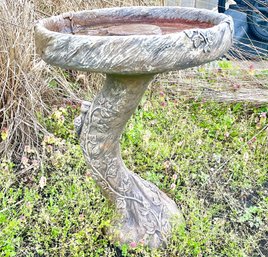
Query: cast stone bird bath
<point x="130" y="45"/>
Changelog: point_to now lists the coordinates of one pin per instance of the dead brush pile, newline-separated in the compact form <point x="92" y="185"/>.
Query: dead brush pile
<point x="24" y="77"/>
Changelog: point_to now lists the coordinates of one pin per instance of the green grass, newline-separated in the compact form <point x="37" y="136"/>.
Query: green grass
<point x="211" y="158"/>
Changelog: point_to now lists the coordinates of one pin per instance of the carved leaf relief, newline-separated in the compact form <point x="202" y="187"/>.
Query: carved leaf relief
<point x="92" y="139"/>
<point x="108" y="105"/>
<point x="101" y="100"/>
<point x="156" y="201"/>
<point x="111" y="172"/>
<point x="125" y="185"/>
<point x="197" y="40"/>
<point x="104" y="185"/>
<point x="103" y="128"/>
<point x="201" y="39"/>
<point x="121" y="203"/>
<point x="146" y="204"/>
<point x="95" y="164"/>
<point x="95" y="151"/>
<point x="144" y="211"/>
<point x="150" y="227"/>
<point x="105" y="113"/>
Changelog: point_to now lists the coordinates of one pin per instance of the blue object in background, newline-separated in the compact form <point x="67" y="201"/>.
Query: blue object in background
<point x="250" y="27"/>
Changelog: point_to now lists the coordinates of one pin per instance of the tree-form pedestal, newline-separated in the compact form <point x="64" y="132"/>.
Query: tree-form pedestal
<point x="145" y="212"/>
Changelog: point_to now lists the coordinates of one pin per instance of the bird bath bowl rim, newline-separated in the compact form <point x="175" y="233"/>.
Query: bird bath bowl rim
<point x="135" y="54"/>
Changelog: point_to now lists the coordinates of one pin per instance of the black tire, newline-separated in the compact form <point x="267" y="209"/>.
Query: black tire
<point x="221" y="6"/>
<point x="257" y="23"/>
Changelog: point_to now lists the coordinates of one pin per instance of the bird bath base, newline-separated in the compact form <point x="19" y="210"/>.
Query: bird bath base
<point x="146" y="212"/>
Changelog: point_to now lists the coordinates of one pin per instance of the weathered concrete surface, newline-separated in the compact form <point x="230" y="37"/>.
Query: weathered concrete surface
<point x="130" y="62"/>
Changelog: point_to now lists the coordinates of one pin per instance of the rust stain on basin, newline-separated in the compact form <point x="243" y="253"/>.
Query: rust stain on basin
<point x="126" y="28"/>
<point x="113" y="26"/>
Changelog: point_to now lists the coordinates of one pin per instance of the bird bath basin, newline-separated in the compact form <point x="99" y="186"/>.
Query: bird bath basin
<point x="130" y="45"/>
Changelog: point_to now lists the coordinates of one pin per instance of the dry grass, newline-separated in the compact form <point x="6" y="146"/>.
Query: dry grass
<point x="24" y="78"/>
<point x="48" y="7"/>
<point x="22" y="86"/>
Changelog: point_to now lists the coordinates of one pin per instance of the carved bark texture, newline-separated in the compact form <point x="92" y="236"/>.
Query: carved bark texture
<point x="146" y="212"/>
